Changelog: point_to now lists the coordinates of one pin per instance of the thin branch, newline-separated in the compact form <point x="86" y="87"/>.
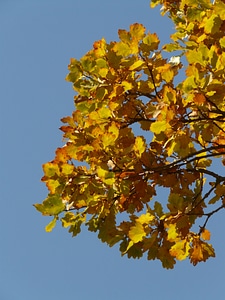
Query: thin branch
<point x="204" y="198"/>
<point x="152" y="76"/>
<point x="208" y="172"/>
<point x="209" y="215"/>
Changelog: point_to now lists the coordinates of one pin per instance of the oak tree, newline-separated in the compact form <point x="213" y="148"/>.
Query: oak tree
<point x="144" y="146"/>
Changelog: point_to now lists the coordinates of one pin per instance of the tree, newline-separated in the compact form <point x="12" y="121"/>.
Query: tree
<point x="124" y="88"/>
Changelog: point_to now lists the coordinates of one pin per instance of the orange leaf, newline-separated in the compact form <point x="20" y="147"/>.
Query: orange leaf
<point x="199" y="99"/>
<point x="205" y="235"/>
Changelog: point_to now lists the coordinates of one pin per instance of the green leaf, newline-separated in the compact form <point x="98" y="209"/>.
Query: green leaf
<point x="73" y="221"/>
<point x="51" y="206"/>
<point x="134" y="251"/>
<point x="158" y="209"/>
<point x="212" y="24"/>
<point x="51" y="169"/>
<point x="67" y="169"/>
<point x="150" y="42"/>
<point x="69" y="219"/>
<point x="198" y="56"/>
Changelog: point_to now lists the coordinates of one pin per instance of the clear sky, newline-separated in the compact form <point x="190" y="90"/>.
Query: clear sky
<point x="38" y="37"/>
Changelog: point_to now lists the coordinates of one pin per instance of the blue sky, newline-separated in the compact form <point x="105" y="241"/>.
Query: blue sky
<point x="38" y="37"/>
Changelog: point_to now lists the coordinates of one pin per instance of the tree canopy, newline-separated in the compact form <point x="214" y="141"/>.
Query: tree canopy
<point x="144" y="144"/>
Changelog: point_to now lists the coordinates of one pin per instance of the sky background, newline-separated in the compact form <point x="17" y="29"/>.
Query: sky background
<point x="38" y="38"/>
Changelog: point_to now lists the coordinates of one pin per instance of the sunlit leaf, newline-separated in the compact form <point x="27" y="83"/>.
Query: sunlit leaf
<point x="137" y="31"/>
<point x="51" y="225"/>
<point x="52" y="205"/>
<point x="180" y="250"/>
<point x="136" y="65"/>
<point x="159" y="126"/>
<point x="122" y="49"/>
<point x="205" y="235"/>
<point x="51" y="169"/>
<point x="137" y="233"/>
<point x="139" y="146"/>
<point x="145" y="218"/>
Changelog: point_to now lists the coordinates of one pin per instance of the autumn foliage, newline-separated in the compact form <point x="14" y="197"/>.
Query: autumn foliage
<point x="144" y="144"/>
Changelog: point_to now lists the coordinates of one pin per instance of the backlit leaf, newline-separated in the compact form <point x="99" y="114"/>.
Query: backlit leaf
<point x="122" y="49"/>
<point x="136" y="65"/>
<point x="150" y="42"/>
<point x="137" y="31"/>
<point x="180" y="250"/>
<point x="212" y="24"/>
<point x="145" y="218"/>
<point x="137" y="232"/>
<point x="159" y="126"/>
<point x="51" y="169"/>
<point x="139" y="146"/>
<point x="52" y="205"/>
<point x="51" y="225"/>
<point x="205" y="235"/>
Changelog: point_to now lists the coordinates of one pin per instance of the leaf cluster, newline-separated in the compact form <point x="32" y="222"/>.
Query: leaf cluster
<point x="115" y="188"/>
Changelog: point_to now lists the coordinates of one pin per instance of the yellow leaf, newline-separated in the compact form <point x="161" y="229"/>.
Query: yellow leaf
<point x="127" y="85"/>
<point x="104" y="112"/>
<point x="130" y="244"/>
<point x="212" y="24"/>
<point x="159" y="126"/>
<point x="180" y="250"/>
<point x="106" y="176"/>
<point x="52" y="185"/>
<point x="114" y="129"/>
<point x="139" y="146"/>
<point x="101" y="172"/>
<point x="172" y="233"/>
<point x="51" y="225"/>
<point x="166" y="72"/>
<point x="205" y="235"/>
<point x="200" y="55"/>
<point x="150" y="42"/>
<point x="145" y="218"/>
<point x="137" y="233"/>
<point x="50" y="169"/>
<point x="67" y="169"/>
<point x="170" y="148"/>
<point x="108" y="139"/>
<point x="137" y="31"/>
<point x="124" y="36"/>
<point x="122" y="49"/>
<point x="136" y="65"/>
<point x="100" y="48"/>
<point x="222" y="42"/>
